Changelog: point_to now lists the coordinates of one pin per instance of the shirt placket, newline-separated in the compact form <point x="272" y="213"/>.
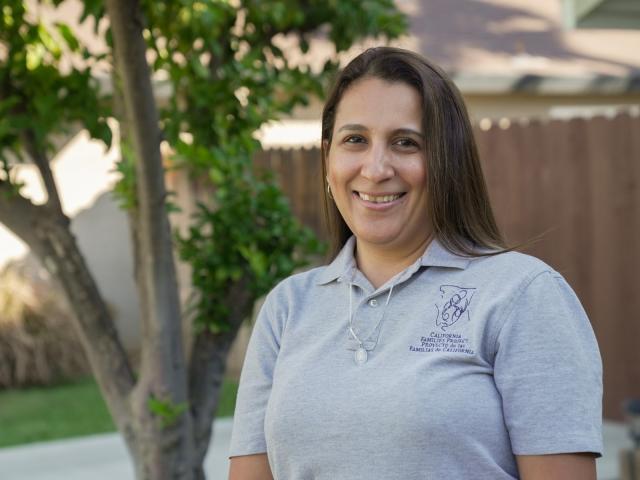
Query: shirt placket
<point x="370" y="308"/>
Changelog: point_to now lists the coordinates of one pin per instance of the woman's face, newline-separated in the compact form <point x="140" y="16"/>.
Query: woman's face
<point x="376" y="165"/>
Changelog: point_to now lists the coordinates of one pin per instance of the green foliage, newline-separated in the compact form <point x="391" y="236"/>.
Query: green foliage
<point x="229" y="76"/>
<point x="228" y="71"/>
<point x="166" y="410"/>
<point x="37" y="97"/>
<point x="124" y="190"/>
<point x="253" y="236"/>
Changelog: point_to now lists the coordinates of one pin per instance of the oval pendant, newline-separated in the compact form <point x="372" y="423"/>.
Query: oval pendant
<point x="361" y="356"/>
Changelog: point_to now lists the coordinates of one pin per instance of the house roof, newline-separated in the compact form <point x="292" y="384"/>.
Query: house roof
<point x="521" y="45"/>
<point x="505" y="46"/>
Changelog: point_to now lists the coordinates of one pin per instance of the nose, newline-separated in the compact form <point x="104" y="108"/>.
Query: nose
<point x="376" y="165"/>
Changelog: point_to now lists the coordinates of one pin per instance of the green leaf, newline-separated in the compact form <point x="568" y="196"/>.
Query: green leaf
<point x="70" y="39"/>
<point x="48" y="41"/>
<point x="35" y="55"/>
<point x="216" y="175"/>
<point x="168" y="411"/>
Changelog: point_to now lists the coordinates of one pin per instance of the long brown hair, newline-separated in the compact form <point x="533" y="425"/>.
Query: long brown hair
<point x="459" y="207"/>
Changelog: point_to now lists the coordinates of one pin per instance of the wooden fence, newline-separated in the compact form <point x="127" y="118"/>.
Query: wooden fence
<point x="577" y="183"/>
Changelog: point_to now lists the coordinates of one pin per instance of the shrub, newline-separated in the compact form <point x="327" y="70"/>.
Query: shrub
<point x="37" y="344"/>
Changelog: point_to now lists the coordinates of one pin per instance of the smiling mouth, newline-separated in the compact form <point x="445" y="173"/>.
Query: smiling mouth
<point x="379" y="198"/>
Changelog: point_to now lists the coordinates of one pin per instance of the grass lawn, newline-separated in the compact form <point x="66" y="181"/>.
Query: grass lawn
<point x="70" y="410"/>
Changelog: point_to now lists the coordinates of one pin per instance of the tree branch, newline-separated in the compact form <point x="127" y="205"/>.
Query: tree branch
<point x="132" y="212"/>
<point x="42" y="162"/>
<point x="154" y="234"/>
<point x="50" y="239"/>
<point x="207" y="366"/>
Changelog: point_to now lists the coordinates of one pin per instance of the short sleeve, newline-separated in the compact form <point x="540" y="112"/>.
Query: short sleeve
<point x="549" y="372"/>
<point x="247" y="435"/>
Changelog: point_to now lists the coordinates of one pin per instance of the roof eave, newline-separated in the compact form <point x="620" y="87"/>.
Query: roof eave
<point x="534" y="84"/>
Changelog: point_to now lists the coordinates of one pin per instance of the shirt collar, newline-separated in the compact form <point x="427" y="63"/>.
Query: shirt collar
<point x="435" y="255"/>
<point x="342" y="264"/>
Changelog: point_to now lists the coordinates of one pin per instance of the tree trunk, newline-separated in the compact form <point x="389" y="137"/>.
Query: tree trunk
<point x="164" y="441"/>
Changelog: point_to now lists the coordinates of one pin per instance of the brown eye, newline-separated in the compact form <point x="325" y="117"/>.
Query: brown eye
<point x="354" y="139"/>
<point x="406" y="143"/>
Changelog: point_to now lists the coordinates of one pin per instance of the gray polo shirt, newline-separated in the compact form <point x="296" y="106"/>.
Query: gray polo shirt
<point x="473" y="361"/>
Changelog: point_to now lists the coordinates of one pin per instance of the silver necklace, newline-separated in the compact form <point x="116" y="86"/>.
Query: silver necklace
<point x="361" y="354"/>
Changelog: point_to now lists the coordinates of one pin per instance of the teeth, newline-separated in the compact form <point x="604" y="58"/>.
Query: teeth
<point x="379" y="199"/>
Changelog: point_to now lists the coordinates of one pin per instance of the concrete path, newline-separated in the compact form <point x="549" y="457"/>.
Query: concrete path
<point x="104" y="457"/>
<point x="96" y="457"/>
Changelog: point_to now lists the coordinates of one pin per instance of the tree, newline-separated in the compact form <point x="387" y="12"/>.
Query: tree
<point x="228" y="76"/>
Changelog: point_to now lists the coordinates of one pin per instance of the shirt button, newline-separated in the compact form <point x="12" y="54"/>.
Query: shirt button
<point x="338" y="280"/>
<point x="373" y="303"/>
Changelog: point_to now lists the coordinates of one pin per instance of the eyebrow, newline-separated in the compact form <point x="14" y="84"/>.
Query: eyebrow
<point x="356" y="127"/>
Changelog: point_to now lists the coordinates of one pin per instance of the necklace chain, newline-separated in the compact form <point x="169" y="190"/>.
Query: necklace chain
<point x="361" y="352"/>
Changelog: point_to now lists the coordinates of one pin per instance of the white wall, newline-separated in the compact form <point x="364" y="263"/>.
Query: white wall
<point x="83" y="170"/>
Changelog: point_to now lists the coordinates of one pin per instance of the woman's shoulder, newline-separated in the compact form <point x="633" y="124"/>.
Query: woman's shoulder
<point x="299" y="283"/>
<point x="510" y="268"/>
<point x="293" y="293"/>
<point x="511" y="262"/>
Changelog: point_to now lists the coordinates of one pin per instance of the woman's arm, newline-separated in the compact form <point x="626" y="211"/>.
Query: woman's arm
<point x="251" y="467"/>
<point x="566" y="466"/>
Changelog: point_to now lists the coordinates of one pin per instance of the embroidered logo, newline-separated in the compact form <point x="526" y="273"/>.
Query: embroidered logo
<point x="453" y="305"/>
<point x="452" y="308"/>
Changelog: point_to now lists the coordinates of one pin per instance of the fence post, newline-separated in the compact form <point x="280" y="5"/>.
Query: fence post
<point x="629" y="464"/>
<point x="630" y="458"/>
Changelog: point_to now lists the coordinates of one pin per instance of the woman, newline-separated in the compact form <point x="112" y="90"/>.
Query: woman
<point x="426" y="349"/>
